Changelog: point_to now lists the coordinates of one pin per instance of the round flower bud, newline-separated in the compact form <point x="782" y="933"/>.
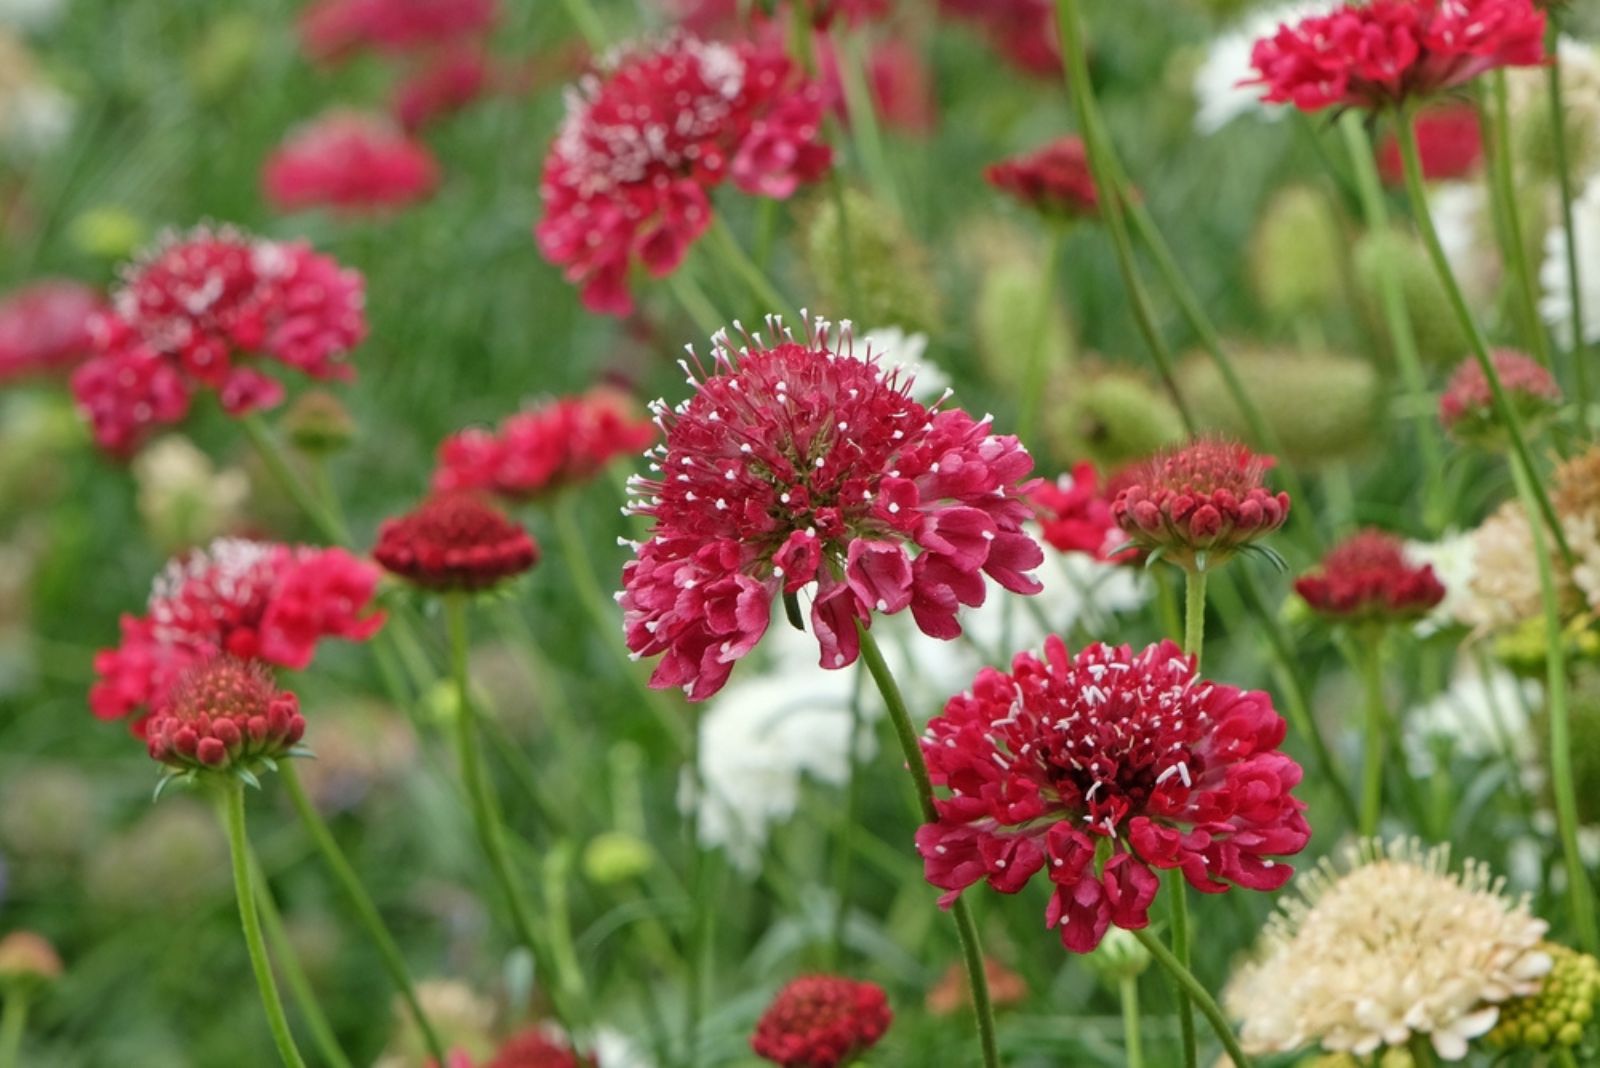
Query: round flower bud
<point x="1112" y="418"/>
<point x="1297" y="237"/>
<point x="27" y="958"/>
<point x="869" y="248"/>
<point x="1559" y="1013"/>
<point x="1437" y="329"/>
<point x="821" y="1021"/>
<point x="455" y="541"/>
<point x="318" y="423"/>
<point x="225" y="714"/>
<point x="1467" y="408"/>
<point x="616" y="857"/>
<point x="1119" y="956"/>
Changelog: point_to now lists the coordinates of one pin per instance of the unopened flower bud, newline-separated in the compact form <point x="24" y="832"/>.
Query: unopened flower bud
<point x="1296" y="240"/>
<point x="1111" y="418"/>
<point x="868" y="248"/>
<point x="318" y="423"/>
<point x="1559" y="1013"/>
<point x="1437" y="329"/>
<point x="1120" y="955"/>
<point x="616" y="857"/>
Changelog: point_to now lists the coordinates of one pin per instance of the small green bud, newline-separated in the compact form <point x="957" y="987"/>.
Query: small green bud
<point x="108" y="233"/>
<point x="1112" y="417"/>
<point x="1120" y="955"/>
<point x="318" y="423"/>
<point x="1558" y="1013"/>
<point x="1017" y="321"/>
<point x="616" y="857"/>
<point x="1295" y="253"/>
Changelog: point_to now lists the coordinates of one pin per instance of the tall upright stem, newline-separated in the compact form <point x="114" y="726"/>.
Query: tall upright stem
<point x="244" y="887"/>
<point x="1503" y="174"/>
<point x="1036" y="371"/>
<point x="1375" y="729"/>
<point x="294" y="976"/>
<point x="1194" y="614"/>
<point x="1194" y="638"/>
<point x="13" y="1024"/>
<point x="1558" y="135"/>
<point x="1132" y="1039"/>
<point x="971" y="950"/>
<point x="1202" y="997"/>
<point x="271" y="452"/>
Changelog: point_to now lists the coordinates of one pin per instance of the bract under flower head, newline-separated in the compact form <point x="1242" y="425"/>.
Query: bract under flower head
<point x="821" y="1021"/>
<point x="798" y="466"/>
<point x="349" y="161"/>
<point x="455" y="541"/>
<point x="1466" y="408"/>
<point x="1098" y="767"/>
<point x="225" y="713"/>
<point x="1367" y="578"/>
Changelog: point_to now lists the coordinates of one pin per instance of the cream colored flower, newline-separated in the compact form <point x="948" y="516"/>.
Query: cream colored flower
<point x="1394" y="947"/>
<point x="182" y="498"/>
<point x="1505" y="577"/>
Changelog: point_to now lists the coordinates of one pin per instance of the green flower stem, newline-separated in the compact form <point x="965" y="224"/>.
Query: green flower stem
<point x="557" y="873"/>
<point x="305" y="997"/>
<point x="847" y="827"/>
<point x="13" y="1024"/>
<point x="906" y="733"/>
<point x="587" y="22"/>
<point x="1502" y="175"/>
<point x="1036" y="371"/>
<point x="271" y="452"/>
<point x="1375" y="731"/>
<point x="695" y="303"/>
<point x="1178" y="896"/>
<point x="1132" y="1038"/>
<point x="1422" y="1052"/>
<point x="1081" y="88"/>
<point x="1208" y="1005"/>
<point x="1194" y="614"/>
<point x="766" y="294"/>
<point x="1580" y="893"/>
<point x="1558" y="133"/>
<point x="250" y="921"/>
<point x="1397" y="319"/>
<point x="366" y="911"/>
<point x="864" y="125"/>
<point x="1504" y="411"/>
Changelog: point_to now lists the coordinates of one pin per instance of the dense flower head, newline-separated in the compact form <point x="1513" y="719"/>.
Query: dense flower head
<point x="545" y="448"/>
<point x="1559" y="1013"/>
<point x="797" y="465"/>
<point x="333" y="29"/>
<point x="1075" y="515"/>
<point x="1379" y="54"/>
<point x="1394" y="947"/>
<point x="444" y="84"/>
<point x="629" y="176"/>
<point x="534" y="1048"/>
<point x="350" y="161"/>
<point x="247" y="599"/>
<point x="455" y="541"/>
<point x="1054" y="179"/>
<point x="1449" y="144"/>
<point x="45" y="328"/>
<point x="1199" y="503"/>
<point x="190" y="309"/>
<point x="1466" y="408"/>
<point x="1367" y="578"/>
<point x="820" y="1021"/>
<point x="224" y="713"/>
<point x="1108" y="755"/>
<point x="1023" y="31"/>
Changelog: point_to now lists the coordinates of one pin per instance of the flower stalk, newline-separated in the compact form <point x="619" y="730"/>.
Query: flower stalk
<point x="1197" y="993"/>
<point x="300" y="989"/>
<point x="13" y="1024"/>
<point x="1558" y="135"/>
<point x="1496" y="112"/>
<point x="1132" y="1037"/>
<point x="1375" y="732"/>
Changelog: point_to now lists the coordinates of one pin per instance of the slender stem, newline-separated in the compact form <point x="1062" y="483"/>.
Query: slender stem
<point x="1480" y="346"/>
<point x="1202" y="998"/>
<point x="271" y="452"/>
<point x="13" y="1023"/>
<point x="1036" y="371"/>
<point x="1081" y="89"/>
<point x="1194" y="614"/>
<point x="1580" y="894"/>
<point x="1558" y="134"/>
<point x="305" y="996"/>
<point x="1375" y="729"/>
<point x="695" y="302"/>
<point x="588" y="24"/>
<point x="971" y="950"/>
<point x="864" y="126"/>
<point x="1564" y="1058"/>
<point x="245" y="890"/>
<point x="366" y="911"/>
<point x="1502" y="174"/>
<point x="1178" y="897"/>
<point x="558" y="923"/>
<point x="847" y="829"/>
<point x="1133" y="1040"/>
<point x="1422" y="1052"/>
<point x="734" y="256"/>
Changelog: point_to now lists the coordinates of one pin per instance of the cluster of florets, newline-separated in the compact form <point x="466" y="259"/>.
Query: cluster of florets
<point x="349" y="161"/>
<point x="1367" y="579"/>
<point x="821" y="1021"/>
<point x="645" y="141"/>
<point x="1466" y="408"/>
<point x="455" y="541"/>
<point x="1075" y="515"/>
<point x="544" y="448"/>
<point x="1054" y="179"/>
<point x="797" y="466"/>
<point x="1099" y="767"/>
<point x="189" y="313"/>
<point x="225" y="713"/>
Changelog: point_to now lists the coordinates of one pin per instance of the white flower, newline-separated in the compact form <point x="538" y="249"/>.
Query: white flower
<point x="1556" y="304"/>
<point x="898" y="350"/>
<point x="1481" y="715"/>
<point x="1451" y="560"/>
<point x="1216" y="83"/>
<point x="613" y="1049"/>
<point x="30" y="14"/>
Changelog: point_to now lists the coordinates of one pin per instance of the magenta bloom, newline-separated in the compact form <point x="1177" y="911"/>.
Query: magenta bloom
<point x="1110" y="750"/>
<point x="797" y="466"/>
<point x="333" y="29"/>
<point x="628" y="178"/>
<point x="1466" y="407"/>
<point x="1378" y="54"/>
<point x="352" y="162"/>
<point x="45" y="328"/>
<point x="251" y="600"/>
<point x="190" y="312"/>
<point x="443" y="85"/>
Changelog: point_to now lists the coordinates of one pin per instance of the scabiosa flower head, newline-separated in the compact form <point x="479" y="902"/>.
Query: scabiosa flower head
<point x="820" y="1021"/>
<point x="1200" y="503"/>
<point x="629" y="176"/>
<point x="455" y="541"/>
<point x="45" y="328"/>
<point x="225" y="713"/>
<point x="247" y="599"/>
<point x="545" y="448"/>
<point x="443" y="85"/>
<point x="534" y="1048"/>
<point x="1054" y="179"/>
<point x="350" y="161"/>
<point x="1367" y="579"/>
<point x="333" y="29"/>
<point x="1379" y="54"/>
<point x="1098" y="767"/>
<point x="1397" y="946"/>
<point x="1449" y="141"/>
<point x="1075" y="515"/>
<point x="1559" y="1013"/>
<point x="1466" y="408"/>
<point x="795" y="466"/>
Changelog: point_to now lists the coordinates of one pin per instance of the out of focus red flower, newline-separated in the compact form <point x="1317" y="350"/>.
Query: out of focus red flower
<point x="1023" y="31"/>
<point x="45" y="328"/>
<point x="1054" y="179"/>
<point x="443" y="84"/>
<point x="1466" y="407"/>
<point x="333" y="29"/>
<point x="455" y="541"/>
<point x="350" y="161"/>
<point x="224" y="713"/>
<point x="1449" y="141"/>
<point x="534" y="1048"/>
<point x="1075" y="515"/>
<point x="1367" y="578"/>
<point x="821" y="1021"/>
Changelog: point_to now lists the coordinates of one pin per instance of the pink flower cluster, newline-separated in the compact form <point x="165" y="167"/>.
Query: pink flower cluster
<point x="185" y="314"/>
<point x="45" y="328"/>
<point x="628" y="178"/>
<point x="332" y="29"/>
<point x="251" y="600"/>
<point x="1023" y="31"/>
<point x="1378" y="54"/>
<point x="799" y="466"/>
<point x="1110" y="755"/>
<point x="224" y="713"/>
<point x="350" y="161"/>
<point x="1075" y="515"/>
<point x="1367" y="578"/>
<point x="545" y="448"/>
<point x="821" y="1021"/>
<point x="1466" y="407"/>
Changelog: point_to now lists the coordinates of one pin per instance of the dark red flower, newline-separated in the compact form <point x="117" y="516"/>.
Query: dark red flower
<point x="820" y="1021"/>
<point x="1023" y="31"/>
<point x="1075" y="515"/>
<point x="534" y="1048"/>
<point x="45" y="328"/>
<point x="1466" y="407"/>
<point x="1449" y="141"/>
<point x="1200" y="503"/>
<point x="444" y="84"/>
<point x="902" y="87"/>
<point x="1379" y="54"/>
<point x="1098" y="767"/>
<point x="351" y="161"/>
<point x="455" y="541"/>
<point x="546" y="448"/>
<point x="1367" y="578"/>
<point x="799" y="466"/>
<point x="225" y="713"/>
<point x="628" y="178"/>
<point x="1054" y="179"/>
<point x="333" y="29"/>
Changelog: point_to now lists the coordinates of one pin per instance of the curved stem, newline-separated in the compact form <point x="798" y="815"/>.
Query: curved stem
<point x="13" y="1024"/>
<point x="971" y="950"/>
<point x="1502" y="175"/>
<point x="366" y="911"/>
<point x="587" y="21"/>
<point x="250" y="921"/>
<point x="1208" y="1005"/>
<point x="305" y="997"/>
<point x="1178" y="896"/>
<point x="1132" y="1039"/>
<point x="271" y="452"/>
<point x="1422" y="1052"/>
<point x="1558" y="136"/>
<point x="1375" y="731"/>
<point x="760" y="286"/>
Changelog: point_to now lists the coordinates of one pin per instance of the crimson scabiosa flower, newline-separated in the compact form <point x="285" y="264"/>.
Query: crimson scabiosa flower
<point x="1097" y="768"/>
<point x="45" y="328"/>
<point x="820" y="1021"/>
<point x="349" y="161"/>
<point x="1367" y="579"/>
<point x="534" y="1048"/>
<point x="1054" y="179"/>
<point x="455" y="541"/>
<point x="1466" y="408"/>
<point x="251" y="600"/>
<point x="1449" y="143"/>
<point x="334" y="29"/>
<point x="209" y="310"/>
<point x="1198" y="504"/>
<point x="628" y="178"/>
<point x="1075" y="515"/>
<point x="543" y="449"/>
<point x="798" y="466"/>
<point x="1387" y="52"/>
<point x="225" y="714"/>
